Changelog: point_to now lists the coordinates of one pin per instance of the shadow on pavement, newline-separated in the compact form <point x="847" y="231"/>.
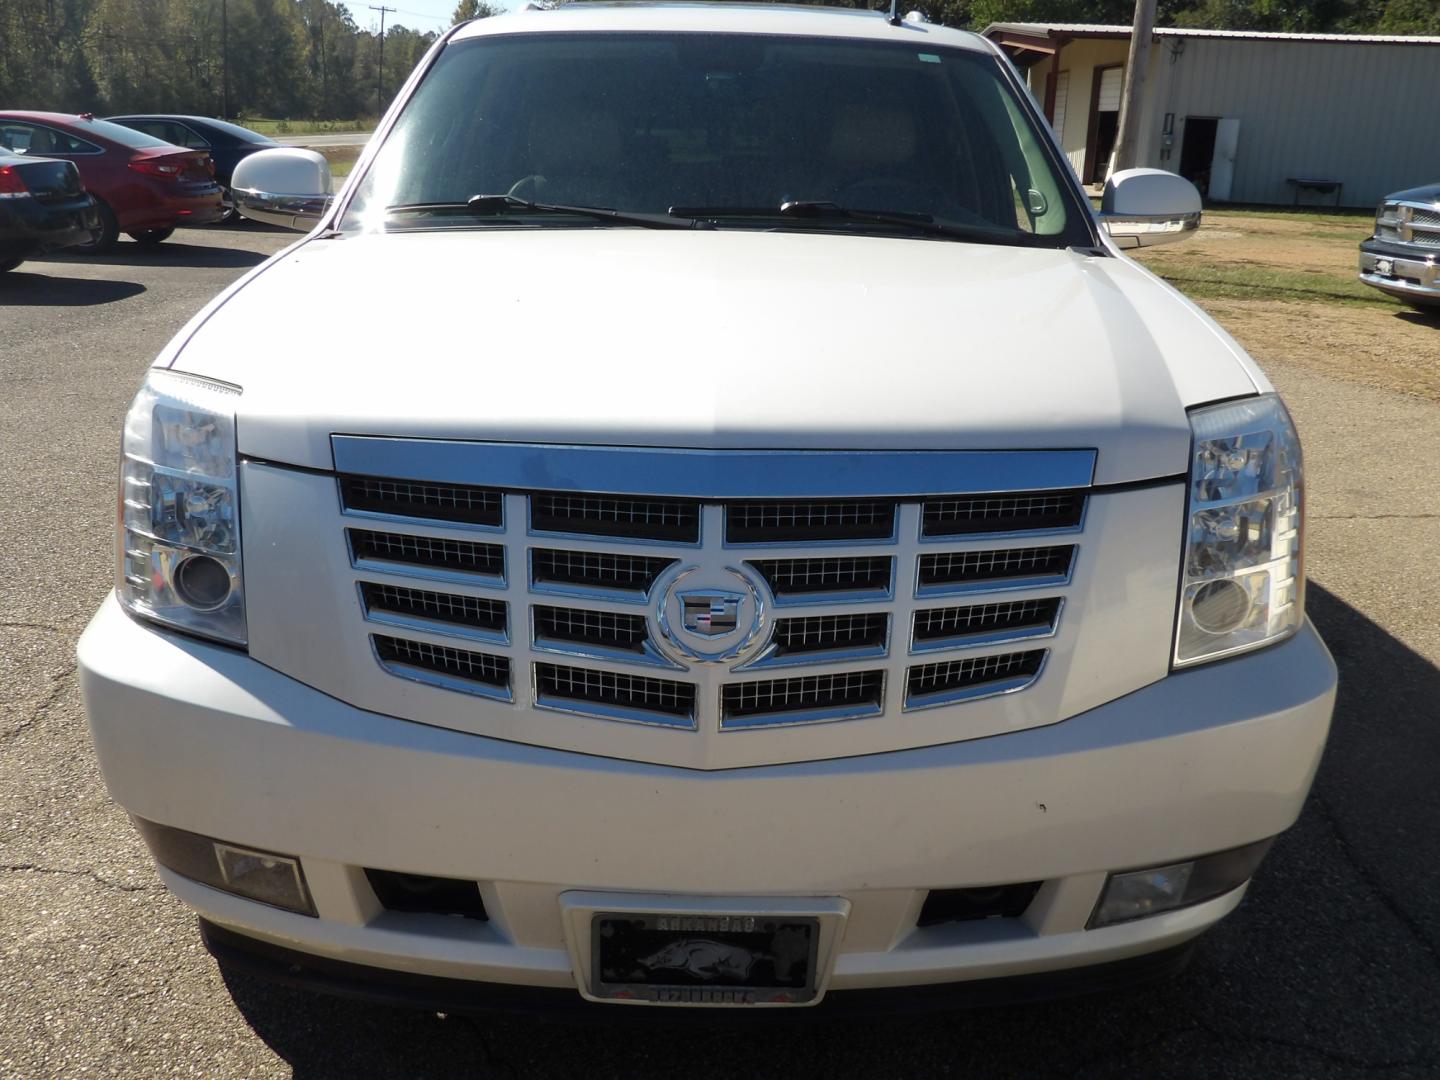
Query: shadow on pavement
<point x="246" y="225"/>
<point x="21" y="289"/>
<point x="1329" y="969"/>
<point x="1421" y="318"/>
<point x="169" y="253"/>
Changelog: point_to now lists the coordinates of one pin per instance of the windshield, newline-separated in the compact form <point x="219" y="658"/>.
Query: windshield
<point x="724" y="130"/>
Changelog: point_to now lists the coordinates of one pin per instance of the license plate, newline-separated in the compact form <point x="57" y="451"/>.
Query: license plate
<point x="689" y="959"/>
<point x="1384" y="266"/>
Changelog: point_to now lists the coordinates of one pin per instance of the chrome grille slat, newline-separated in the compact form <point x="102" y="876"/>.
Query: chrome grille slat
<point x="1002" y="513"/>
<point x="440" y="665"/>
<point x="616" y="515"/>
<point x="841" y="574"/>
<point x="760" y="522"/>
<point x="802" y="699"/>
<point x="985" y="623"/>
<point x="427" y="551"/>
<point x="819" y="633"/>
<point x="594" y="569"/>
<point x="473" y="611"/>
<point x="959" y="568"/>
<point x="608" y="629"/>
<point x="415" y="499"/>
<point x="950" y="681"/>
<point x="629" y="697"/>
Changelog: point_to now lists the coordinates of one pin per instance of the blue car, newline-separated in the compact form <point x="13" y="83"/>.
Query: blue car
<point x="43" y="207"/>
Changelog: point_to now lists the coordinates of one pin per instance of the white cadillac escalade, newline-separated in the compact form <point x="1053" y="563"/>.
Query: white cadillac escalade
<point x="716" y="521"/>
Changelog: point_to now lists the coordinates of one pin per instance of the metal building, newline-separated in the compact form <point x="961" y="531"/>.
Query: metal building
<point x="1249" y="117"/>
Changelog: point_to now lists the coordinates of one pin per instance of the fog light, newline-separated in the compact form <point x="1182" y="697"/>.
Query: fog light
<point x="203" y="582"/>
<point x="1136" y="894"/>
<point x="265" y="876"/>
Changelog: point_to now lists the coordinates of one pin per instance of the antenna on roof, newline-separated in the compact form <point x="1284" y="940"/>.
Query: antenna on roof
<point x="895" y="19"/>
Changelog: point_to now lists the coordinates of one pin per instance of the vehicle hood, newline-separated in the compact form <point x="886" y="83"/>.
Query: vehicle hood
<point x="1421" y="194"/>
<point x="715" y="339"/>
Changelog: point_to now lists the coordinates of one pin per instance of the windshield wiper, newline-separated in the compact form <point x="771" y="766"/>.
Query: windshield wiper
<point x="496" y="205"/>
<point x="820" y="210"/>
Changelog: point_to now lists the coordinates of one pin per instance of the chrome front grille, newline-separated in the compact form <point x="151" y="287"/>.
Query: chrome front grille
<point x="1409" y="223"/>
<point x="601" y="606"/>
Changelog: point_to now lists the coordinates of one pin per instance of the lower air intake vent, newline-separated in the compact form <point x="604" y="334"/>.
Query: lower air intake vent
<point x="616" y="515"/>
<point x="782" y="522"/>
<point x="429" y="551"/>
<point x="972" y="905"/>
<point x="470" y="611"/>
<point x="592" y="569"/>
<point x="1002" y="513"/>
<point x="455" y="669"/>
<point x="957" y="680"/>
<point x="408" y="498"/>
<point x="421" y="894"/>
<point x="802" y="700"/>
<point x="1038" y="565"/>
<point x="618" y="697"/>
<point x="840" y="575"/>
<point x="604" y="629"/>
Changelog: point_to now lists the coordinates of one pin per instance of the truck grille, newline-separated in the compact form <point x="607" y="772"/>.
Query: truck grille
<point x="567" y="612"/>
<point x="1408" y="223"/>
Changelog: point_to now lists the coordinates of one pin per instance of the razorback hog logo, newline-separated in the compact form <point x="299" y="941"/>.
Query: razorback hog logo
<point x="703" y="959"/>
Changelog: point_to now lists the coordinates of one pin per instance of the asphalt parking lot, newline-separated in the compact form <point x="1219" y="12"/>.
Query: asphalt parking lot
<point x="1331" y="967"/>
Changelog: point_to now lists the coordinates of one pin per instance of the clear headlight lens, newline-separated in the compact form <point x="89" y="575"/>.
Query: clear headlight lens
<point x="180" y="508"/>
<point x="1243" y="582"/>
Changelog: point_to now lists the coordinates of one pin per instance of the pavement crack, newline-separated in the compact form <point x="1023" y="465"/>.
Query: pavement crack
<point x="1373" y="517"/>
<point x="58" y="681"/>
<point x="1402" y="916"/>
<point x="31" y="626"/>
<point x="35" y="868"/>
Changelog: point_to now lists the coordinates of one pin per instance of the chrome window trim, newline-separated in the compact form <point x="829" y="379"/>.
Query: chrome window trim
<point x="716" y="475"/>
<point x="986" y="639"/>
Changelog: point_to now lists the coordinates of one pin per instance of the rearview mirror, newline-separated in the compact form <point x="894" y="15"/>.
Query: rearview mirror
<point x="288" y="186"/>
<point x="1141" y="207"/>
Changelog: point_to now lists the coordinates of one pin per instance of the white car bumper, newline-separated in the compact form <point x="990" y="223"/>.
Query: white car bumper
<point x="205" y="739"/>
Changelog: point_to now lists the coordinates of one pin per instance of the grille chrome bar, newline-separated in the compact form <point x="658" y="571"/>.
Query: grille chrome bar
<point x="428" y="556"/>
<point x="610" y="695"/>
<point x="585" y="573"/>
<point x="622" y="516"/>
<point x="846" y="578"/>
<point x="945" y="572"/>
<point x="979" y="514"/>
<point x="983" y="624"/>
<point x="479" y="618"/>
<point x="947" y="682"/>
<point x="806" y="699"/>
<point x="808" y="521"/>
<point x="483" y="674"/>
<point x="458" y="503"/>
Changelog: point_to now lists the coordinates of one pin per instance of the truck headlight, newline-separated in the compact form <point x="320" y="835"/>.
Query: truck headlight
<point x="1242" y="585"/>
<point x="179" y="507"/>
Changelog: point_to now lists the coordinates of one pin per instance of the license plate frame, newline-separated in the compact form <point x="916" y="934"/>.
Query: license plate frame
<point x="692" y="958"/>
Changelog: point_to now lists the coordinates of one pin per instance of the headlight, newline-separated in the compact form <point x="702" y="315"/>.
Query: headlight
<point x="180" y="509"/>
<point x="1242" y="585"/>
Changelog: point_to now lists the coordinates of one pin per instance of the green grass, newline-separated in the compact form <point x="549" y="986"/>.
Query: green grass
<point x="1202" y="279"/>
<point x="341" y="159"/>
<point x="306" y="127"/>
<point x="1319" y="216"/>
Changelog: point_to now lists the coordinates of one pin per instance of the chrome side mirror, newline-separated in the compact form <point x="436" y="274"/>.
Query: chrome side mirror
<point x="288" y="186"/>
<point x="1141" y="207"/>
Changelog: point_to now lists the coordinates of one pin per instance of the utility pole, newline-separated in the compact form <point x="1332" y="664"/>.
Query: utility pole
<point x="224" y="61"/>
<point x="380" y="74"/>
<point x="1130" y="105"/>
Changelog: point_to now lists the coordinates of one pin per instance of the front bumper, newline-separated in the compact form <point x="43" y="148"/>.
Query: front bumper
<point x="206" y="739"/>
<point x="1410" y="276"/>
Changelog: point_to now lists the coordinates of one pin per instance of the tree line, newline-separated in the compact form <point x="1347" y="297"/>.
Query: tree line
<point x="309" y="58"/>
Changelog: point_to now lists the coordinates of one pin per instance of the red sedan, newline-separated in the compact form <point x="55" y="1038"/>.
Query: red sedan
<point x="143" y="186"/>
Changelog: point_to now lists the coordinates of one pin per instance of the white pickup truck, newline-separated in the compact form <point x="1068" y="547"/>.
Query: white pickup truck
<point x="715" y="521"/>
